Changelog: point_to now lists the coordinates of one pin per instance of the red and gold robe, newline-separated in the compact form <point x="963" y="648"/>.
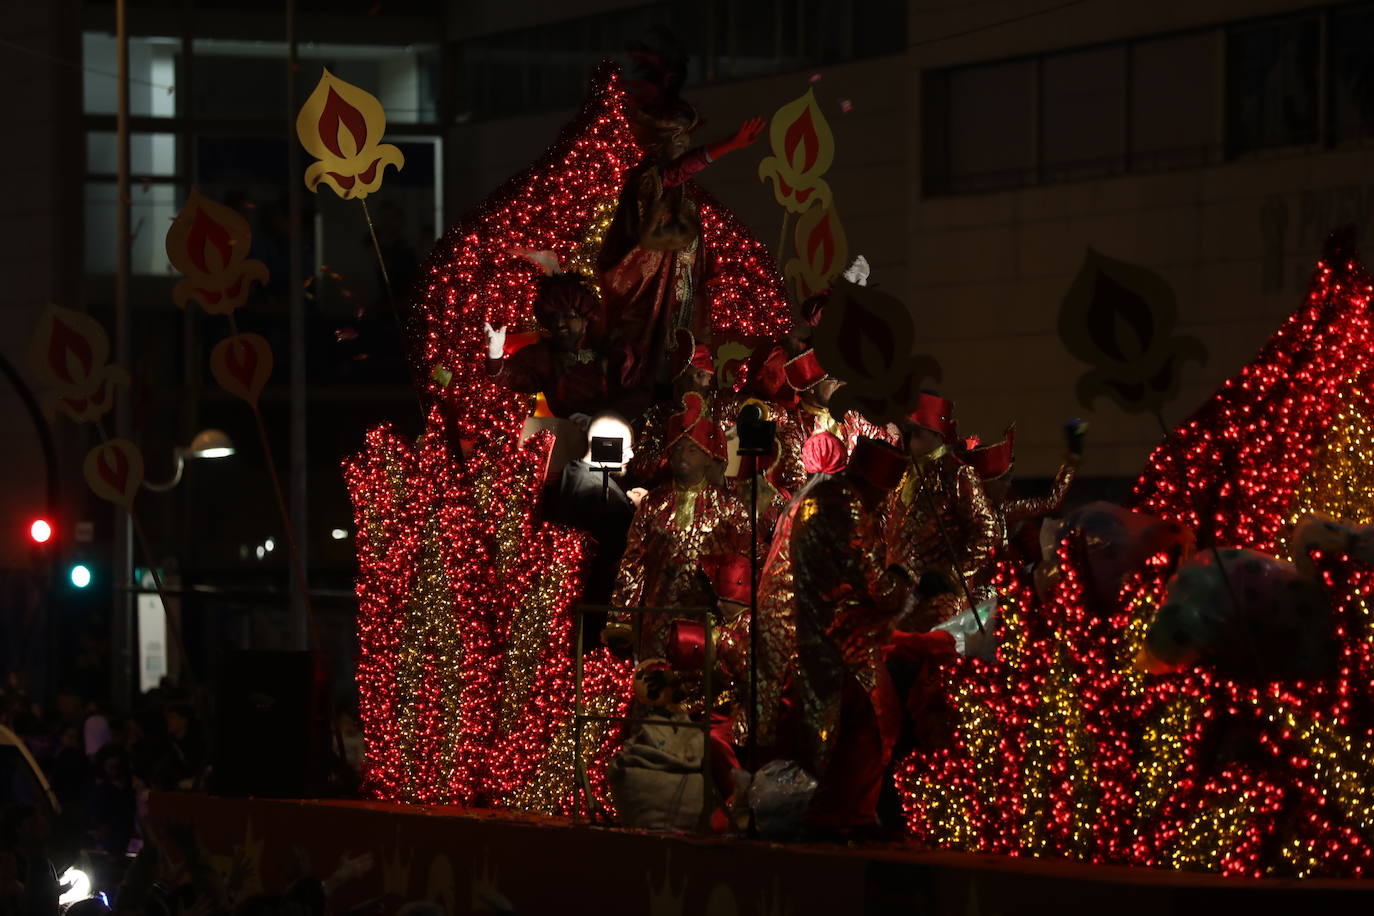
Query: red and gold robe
<point x="940" y="504"/>
<point x="672" y="530"/>
<point x="800" y="423"/>
<point x="846" y="604"/>
<point x="652" y="266"/>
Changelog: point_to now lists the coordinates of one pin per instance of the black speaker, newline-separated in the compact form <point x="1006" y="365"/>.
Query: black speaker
<point x="271" y="729"/>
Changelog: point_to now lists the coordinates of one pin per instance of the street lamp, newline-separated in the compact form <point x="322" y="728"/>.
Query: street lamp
<point x="208" y="443"/>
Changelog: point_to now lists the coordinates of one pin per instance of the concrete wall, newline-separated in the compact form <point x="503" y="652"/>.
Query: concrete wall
<point x="988" y="271"/>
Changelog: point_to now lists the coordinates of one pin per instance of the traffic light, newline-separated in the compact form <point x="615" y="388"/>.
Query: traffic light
<point x="40" y="531"/>
<point x="80" y="575"/>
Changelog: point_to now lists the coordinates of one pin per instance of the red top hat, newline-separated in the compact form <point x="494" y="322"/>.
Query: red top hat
<point x="935" y="414"/>
<point x="823" y="453"/>
<point x="803" y="371"/>
<point x="729" y="575"/>
<point x="695" y="422"/>
<point x="878" y="463"/>
<point x="992" y="461"/>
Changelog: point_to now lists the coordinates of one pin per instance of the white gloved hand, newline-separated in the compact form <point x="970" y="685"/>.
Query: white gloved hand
<point x="496" y="340"/>
<point x="858" y="271"/>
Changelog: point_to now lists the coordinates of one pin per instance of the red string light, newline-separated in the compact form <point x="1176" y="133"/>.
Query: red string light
<point x="465" y="667"/>
<point x="1062" y="748"/>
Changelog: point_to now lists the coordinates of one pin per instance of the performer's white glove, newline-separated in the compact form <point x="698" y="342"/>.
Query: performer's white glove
<point x="496" y="340"/>
<point x="968" y="640"/>
<point x="858" y="271"/>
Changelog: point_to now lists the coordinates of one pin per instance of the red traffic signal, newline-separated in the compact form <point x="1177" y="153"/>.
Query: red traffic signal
<point x="40" y="532"/>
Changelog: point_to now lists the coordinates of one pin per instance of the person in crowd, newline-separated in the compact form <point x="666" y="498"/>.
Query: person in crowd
<point x="24" y="834"/>
<point x="111" y="803"/>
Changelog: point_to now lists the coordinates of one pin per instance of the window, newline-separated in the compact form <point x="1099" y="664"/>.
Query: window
<point x="546" y="66"/>
<point x="247" y="79"/>
<point x="154" y="207"/>
<point x="1083" y="114"/>
<point x="150" y="155"/>
<point x="1271" y="85"/>
<point x="1352" y="73"/>
<point x="979" y="129"/>
<point x="1151" y="103"/>
<point x="152" y="75"/>
<point x="1173" y="101"/>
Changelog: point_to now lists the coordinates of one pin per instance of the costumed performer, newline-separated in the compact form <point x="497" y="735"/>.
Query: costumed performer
<point x="573" y="373"/>
<point x="651" y="263"/>
<point x="812" y="415"/>
<point x="938" y="522"/>
<point x="695" y="371"/>
<point x="676" y="524"/>
<point x="846" y="605"/>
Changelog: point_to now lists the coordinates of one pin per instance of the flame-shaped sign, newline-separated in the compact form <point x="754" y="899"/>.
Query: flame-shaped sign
<point x="70" y="356"/>
<point x="1120" y="318"/>
<point x="803" y="148"/>
<point x="731" y="357"/>
<point x="865" y="339"/>
<point x="114" y="471"/>
<point x="822" y="252"/>
<point x="242" y="364"/>
<point x="342" y="126"/>
<point x="209" y="243"/>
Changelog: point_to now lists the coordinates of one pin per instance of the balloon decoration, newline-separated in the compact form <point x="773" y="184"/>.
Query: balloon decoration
<point x="114" y="471"/>
<point x="209" y="243"/>
<point x="822" y="251"/>
<point x="803" y="148"/>
<point x="342" y="127"/>
<point x="865" y="337"/>
<point x="1120" y="318"/>
<point x="70" y="354"/>
<point x="242" y="364"/>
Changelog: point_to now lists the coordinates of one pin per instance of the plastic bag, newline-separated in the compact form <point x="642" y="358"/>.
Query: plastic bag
<point x="779" y="796"/>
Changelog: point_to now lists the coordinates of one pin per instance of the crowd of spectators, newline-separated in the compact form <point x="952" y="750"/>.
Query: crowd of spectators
<point x="100" y="766"/>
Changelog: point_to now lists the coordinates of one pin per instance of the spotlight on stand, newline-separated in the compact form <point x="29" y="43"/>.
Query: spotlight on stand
<point x="756" y="437"/>
<point x="755" y="433"/>
<point x="208" y="443"/>
<point x="609" y="451"/>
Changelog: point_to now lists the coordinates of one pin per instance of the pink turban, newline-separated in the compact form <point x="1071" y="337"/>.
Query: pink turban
<point x="824" y="454"/>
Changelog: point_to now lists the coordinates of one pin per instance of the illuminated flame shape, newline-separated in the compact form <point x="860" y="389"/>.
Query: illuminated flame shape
<point x="822" y="251"/>
<point x="1120" y="318"/>
<point x="70" y="357"/>
<point x="242" y="364"/>
<point x="865" y="339"/>
<point x="114" y="471"/>
<point x="342" y="126"/>
<point x="803" y="148"/>
<point x="209" y="243"/>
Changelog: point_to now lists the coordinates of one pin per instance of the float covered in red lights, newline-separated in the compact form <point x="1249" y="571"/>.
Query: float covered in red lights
<point x="1061" y="746"/>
